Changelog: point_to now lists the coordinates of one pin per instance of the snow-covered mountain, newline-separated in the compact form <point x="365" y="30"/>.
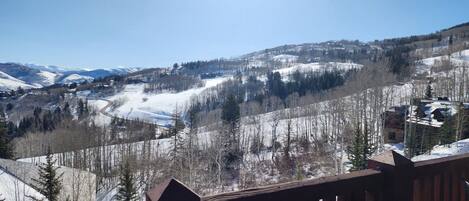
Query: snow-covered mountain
<point x="75" y="78"/>
<point x="8" y="82"/>
<point x="14" y="75"/>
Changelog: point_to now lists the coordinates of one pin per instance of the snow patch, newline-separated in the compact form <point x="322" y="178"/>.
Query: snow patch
<point x="155" y="108"/>
<point x="11" y="188"/>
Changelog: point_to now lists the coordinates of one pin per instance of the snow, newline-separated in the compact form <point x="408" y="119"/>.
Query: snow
<point x="107" y="196"/>
<point x="439" y="151"/>
<point x="75" y="78"/>
<point x="8" y="82"/>
<point x="315" y="67"/>
<point x="429" y="120"/>
<point x="49" y="77"/>
<point x="285" y="58"/>
<point x="155" y="108"/>
<point x="12" y="188"/>
<point x="100" y="119"/>
<point x="457" y="58"/>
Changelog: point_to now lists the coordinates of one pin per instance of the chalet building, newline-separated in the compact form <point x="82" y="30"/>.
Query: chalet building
<point x="394" y="124"/>
<point x="423" y="117"/>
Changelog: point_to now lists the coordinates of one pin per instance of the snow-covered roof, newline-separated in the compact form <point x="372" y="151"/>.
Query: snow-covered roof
<point x="439" y="151"/>
<point x="12" y="188"/>
<point x="430" y="107"/>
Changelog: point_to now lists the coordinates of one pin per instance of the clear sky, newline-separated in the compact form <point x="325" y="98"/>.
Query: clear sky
<point x="156" y="33"/>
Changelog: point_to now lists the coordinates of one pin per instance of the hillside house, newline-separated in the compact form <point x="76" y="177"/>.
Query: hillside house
<point x="394" y="124"/>
<point x="423" y="116"/>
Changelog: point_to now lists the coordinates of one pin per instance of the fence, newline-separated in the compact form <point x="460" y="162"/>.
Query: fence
<point x="389" y="177"/>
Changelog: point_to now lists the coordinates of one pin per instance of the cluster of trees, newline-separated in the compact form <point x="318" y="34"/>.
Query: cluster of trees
<point x="276" y="87"/>
<point x="6" y="149"/>
<point x="42" y="120"/>
<point x="303" y="83"/>
<point x="212" y="66"/>
<point x="172" y="83"/>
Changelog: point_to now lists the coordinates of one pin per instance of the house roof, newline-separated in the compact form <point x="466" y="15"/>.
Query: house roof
<point x="172" y="190"/>
<point x="431" y="108"/>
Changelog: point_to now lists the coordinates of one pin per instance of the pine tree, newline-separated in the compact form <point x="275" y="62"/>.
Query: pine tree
<point x="232" y="155"/>
<point x="81" y="108"/>
<point x="230" y="111"/>
<point x="368" y="147"/>
<point x="6" y="150"/>
<point x="428" y="91"/>
<point x="355" y="151"/>
<point x="447" y="132"/>
<point x="361" y="148"/>
<point x="126" y="190"/>
<point x="49" y="183"/>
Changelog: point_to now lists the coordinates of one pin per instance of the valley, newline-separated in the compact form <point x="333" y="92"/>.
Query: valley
<point x="288" y="113"/>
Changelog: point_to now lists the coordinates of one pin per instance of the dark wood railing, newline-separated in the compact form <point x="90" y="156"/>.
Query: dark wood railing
<point x="390" y="177"/>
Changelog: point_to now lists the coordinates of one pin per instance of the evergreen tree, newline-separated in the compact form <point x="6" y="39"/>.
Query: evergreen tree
<point x="81" y="108"/>
<point x="428" y="91"/>
<point x="232" y="155"/>
<point x="6" y="150"/>
<point x="49" y="183"/>
<point x="368" y="147"/>
<point x="355" y="151"/>
<point x="447" y="132"/>
<point x="361" y="148"/>
<point x="66" y="111"/>
<point x="230" y="111"/>
<point x="127" y="190"/>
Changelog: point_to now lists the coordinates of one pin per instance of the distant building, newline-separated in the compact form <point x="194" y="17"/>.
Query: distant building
<point x="394" y="124"/>
<point x="424" y="116"/>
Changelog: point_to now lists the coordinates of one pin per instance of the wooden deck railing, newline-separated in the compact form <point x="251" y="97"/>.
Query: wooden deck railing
<point x="390" y="177"/>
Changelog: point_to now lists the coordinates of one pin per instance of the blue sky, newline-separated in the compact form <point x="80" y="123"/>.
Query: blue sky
<point x="156" y="33"/>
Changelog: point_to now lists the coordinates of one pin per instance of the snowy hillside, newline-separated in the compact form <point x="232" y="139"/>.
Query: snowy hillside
<point x="133" y="103"/>
<point x="8" y="82"/>
<point x="318" y="67"/>
<point x="12" y="189"/>
<point x="16" y="75"/>
<point x="426" y="65"/>
<point x="76" y="78"/>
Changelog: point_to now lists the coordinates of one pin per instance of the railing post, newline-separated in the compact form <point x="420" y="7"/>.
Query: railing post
<point x="398" y="175"/>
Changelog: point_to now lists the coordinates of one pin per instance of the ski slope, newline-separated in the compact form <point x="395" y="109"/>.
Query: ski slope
<point x="156" y="108"/>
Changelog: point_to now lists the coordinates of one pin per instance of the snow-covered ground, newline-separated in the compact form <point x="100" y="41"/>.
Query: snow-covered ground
<point x="8" y="82"/>
<point x="157" y="108"/>
<point x="48" y="77"/>
<point x="316" y="67"/>
<point x="285" y="58"/>
<point x="100" y="119"/>
<point x="457" y="58"/>
<point x="439" y="151"/>
<point x="113" y="153"/>
<point x="13" y="189"/>
<point x="76" y="78"/>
